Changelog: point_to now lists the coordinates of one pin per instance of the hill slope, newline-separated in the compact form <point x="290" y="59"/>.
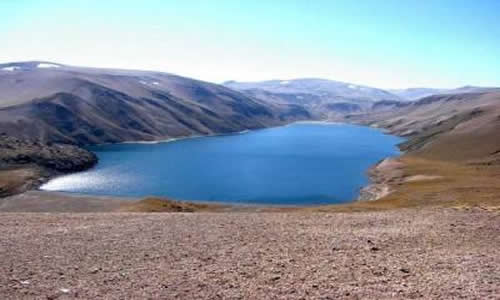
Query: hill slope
<point x="452" y="153"/>
<point x="448" y="127"/>
<point x="59" y="103"/>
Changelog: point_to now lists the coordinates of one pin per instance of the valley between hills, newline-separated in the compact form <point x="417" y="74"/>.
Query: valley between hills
<point x="47" y="112"/>
<point x="426" y="228"/>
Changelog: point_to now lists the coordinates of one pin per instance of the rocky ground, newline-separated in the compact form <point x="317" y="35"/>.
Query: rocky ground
<point x="409" y="253"/>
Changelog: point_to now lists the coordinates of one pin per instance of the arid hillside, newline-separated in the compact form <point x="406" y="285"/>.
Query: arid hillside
<point x="448" y="127"/>
<point x="59" y="103"/>
<point x="452" y="155"/>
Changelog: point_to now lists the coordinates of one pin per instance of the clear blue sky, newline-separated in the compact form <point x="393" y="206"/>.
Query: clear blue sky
<point x="382" y="43"/>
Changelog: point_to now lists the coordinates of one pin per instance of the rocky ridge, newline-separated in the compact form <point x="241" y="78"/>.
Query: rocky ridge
<point x="25" y="164"/>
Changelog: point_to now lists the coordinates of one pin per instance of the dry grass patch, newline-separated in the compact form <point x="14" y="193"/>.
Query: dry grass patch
<point x="446" y="184"/>
<point x="15" y="179"/>
<point x="167" y="205"/>
<point x="459" y="184"/>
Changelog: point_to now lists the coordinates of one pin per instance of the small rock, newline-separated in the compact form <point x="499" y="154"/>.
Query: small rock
<point x="374" y="249"/>
<point x="25" y="282"/>
<point x="64" y="290"/>
<point x="404" y="270"/>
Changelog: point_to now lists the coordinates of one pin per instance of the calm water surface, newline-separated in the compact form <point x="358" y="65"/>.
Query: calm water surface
<point x="299" y="164"/>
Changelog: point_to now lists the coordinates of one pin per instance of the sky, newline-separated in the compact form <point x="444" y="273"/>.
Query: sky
<point x="385" y="44"/>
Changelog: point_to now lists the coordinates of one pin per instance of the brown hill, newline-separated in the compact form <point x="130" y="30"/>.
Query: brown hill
<point x="452" y="153"/>
<point x="447" y="127"/>
<point x="53" y="102"/>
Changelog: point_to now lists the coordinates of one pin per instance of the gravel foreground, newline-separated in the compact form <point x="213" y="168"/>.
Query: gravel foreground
<point x="431" y="253"/>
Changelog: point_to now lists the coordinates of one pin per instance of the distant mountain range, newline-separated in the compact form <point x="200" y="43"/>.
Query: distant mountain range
<point x="324" y="98"/>
<point x="326" y="90"/>
<point x="331" y="99"/>
<point x="418" y="93"/>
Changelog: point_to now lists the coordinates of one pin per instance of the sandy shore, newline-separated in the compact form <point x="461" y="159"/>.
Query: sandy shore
<point x="382" y="176"/>
<point x="402" y="254"/>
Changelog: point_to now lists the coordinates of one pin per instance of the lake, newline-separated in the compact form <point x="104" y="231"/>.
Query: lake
<point x="298" y="164"/>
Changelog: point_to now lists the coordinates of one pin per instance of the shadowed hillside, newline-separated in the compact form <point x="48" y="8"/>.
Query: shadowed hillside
<point x="53" y="102"/>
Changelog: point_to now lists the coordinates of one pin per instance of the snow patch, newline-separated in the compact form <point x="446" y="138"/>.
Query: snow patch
<point x="10" y="69"/>
<point x="285" y="82"/>
<point x="352" y="86"/>
<point x="149" y="82"/>
<point x="45" y="66"/>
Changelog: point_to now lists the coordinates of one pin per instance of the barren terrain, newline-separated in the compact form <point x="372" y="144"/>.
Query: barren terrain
<point x="429" y="253"/>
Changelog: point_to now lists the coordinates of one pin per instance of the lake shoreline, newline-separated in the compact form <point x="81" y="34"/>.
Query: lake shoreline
<point x="174" y="139"/>
<point x="311" y="133"/>
<point x="381" y="175"/>
<point x="372" y="191"/>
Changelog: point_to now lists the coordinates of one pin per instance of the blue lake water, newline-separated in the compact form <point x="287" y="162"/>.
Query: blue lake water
<point x="299" y="164"/>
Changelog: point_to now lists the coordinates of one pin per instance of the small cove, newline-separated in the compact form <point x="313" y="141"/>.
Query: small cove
<point x="298" y="164"/>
